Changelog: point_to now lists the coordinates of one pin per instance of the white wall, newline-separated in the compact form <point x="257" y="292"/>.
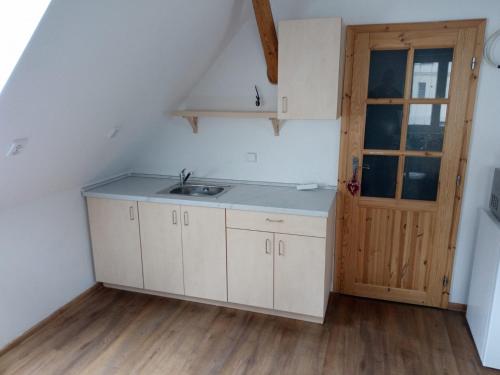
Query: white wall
<point x="44" y="260"/>
<point x="91" y="65"/>
<point x="308" y="151"/>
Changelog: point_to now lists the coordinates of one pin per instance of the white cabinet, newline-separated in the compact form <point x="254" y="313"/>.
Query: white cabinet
<point x="310" y="68"/>
<point x="204" y="251"/>
<point x="483" y="306"/>
<point x="116" y="247"/>
<point x="279" y="261"/>
<point x="299" y="274"/>
<point x="250" y="267"/>
<point x="276" y="262"/>
<point x="161" y="242"/>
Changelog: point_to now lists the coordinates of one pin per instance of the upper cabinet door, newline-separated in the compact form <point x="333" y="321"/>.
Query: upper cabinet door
<point x="114" y="229"/>
<point x="310" y="69"/>
<point x="204" y="252"/>
<point x="161" y="247"/>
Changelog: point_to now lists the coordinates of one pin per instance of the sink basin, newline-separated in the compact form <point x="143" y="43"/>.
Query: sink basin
<point x="195" y="190"/>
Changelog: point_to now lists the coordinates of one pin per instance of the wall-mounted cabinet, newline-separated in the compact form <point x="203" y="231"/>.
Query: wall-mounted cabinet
<point x="310" y="69"/>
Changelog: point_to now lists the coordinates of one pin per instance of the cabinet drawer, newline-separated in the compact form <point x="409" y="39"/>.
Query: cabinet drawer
<point x="278" y="223"/>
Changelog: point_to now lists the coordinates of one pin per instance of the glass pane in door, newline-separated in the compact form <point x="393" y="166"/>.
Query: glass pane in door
<point x="379" y="176"/>
<point x="387" y="74"/>
<point x="426" y="126"/>
<point x="431" y="73"/>
<point x="420" y="178"/>
<point x="383" y="126"/>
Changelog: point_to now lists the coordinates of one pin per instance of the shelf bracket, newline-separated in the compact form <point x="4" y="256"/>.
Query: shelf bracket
<point x="193" y="121"/>
<point x="277" y="125"/>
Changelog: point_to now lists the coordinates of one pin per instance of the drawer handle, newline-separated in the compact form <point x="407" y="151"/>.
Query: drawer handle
<point x="284" y="104"/>
<point x="186" y="218"/>
<point x="268" y="246"/>
<point x="275" y="221"/>
<point x="131" y="212"/>
<point x="174" y="217"/>
<point x="281" y="248"/>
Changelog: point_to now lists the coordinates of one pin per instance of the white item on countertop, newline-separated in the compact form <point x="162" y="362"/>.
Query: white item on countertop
<point x="483" y="308"/>
<point x="307" y="187"/>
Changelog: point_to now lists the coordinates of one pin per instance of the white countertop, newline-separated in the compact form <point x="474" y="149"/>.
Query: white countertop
<point x="274" y="198"/>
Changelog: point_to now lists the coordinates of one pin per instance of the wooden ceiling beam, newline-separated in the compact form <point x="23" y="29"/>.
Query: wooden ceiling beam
<point x="268" y="37"/>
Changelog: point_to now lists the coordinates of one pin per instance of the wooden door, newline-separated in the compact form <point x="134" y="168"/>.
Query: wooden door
<point x="409" y="97"/>
<point x="116" y="246"/>
<point x="161" y="247"/>
<point x="250" y="267"/>
<point x="299" y="274"/>
<point x="204" y="252"/>
<point x="310" y="66"/>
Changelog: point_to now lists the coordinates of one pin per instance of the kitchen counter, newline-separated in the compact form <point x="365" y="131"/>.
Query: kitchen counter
<point x="249" y="196"/>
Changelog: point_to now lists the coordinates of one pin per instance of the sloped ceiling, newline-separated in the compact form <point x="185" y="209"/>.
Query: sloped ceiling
<point x="93" y="65"/>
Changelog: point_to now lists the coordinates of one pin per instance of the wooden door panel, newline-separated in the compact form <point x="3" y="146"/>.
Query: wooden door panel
<point x="397" y="235"/>
<point x="394" y="248"/>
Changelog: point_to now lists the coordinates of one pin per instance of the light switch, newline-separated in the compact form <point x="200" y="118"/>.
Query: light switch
<point x="251" y="157"/>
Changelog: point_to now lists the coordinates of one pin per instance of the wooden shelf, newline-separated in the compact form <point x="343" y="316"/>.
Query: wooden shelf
<point x="192" y="117"/>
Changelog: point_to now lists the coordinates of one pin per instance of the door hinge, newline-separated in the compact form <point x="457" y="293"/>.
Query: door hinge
<point x="473" y="63"/>
<point x="459" y="180"/>
<point x="445" y="281"/>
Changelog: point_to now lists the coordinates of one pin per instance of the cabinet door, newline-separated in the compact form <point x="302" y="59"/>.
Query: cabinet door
<point x="114" y="229"/>
<point x="161" y="247"/>
<point x="250" y="267"/>
<point x="204" y="252"/>
<point x="299" y="274"/>
<point x="310" y="67"/>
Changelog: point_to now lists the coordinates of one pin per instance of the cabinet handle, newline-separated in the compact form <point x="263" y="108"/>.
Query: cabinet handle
<point x="131" y="212"/>
<point x="268" y="246"/>
<point x="281" y="248"/>
<point x="284" y="104"/>
<point x="186" y="218"/>
<point x="174" y="217"/>
<point x="275" y="221"/>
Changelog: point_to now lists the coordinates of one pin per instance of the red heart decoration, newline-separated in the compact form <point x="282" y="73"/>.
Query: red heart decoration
<point x="353" y="186"/>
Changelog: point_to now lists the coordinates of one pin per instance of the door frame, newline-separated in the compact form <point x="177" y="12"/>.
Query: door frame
<point x="342" y="238"/>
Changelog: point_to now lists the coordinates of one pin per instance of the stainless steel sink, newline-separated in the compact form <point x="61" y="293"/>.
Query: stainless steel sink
<point x="195" y="190"/>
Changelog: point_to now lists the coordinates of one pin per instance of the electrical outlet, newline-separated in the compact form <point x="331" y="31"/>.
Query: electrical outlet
<point x="251" y="157"/>
<point x="17" y="146"/>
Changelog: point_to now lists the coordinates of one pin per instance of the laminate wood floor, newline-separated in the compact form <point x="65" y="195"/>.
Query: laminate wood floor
<point x="117" y="332"/>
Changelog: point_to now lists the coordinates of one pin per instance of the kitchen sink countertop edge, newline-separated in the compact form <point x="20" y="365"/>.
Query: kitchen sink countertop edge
<point x="244" y="195"/>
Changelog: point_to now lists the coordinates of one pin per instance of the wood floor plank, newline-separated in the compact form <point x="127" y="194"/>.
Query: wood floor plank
<point x="118" y="332"/>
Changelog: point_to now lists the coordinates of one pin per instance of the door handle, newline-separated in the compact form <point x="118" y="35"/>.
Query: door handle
<point x="284" y="104"/>
<point x="174" y="217"/>
<point x="131" y="213"/>
<point x="268" y="246"/>
<point x="186" y="218"/>
<point x="281" y="248"/>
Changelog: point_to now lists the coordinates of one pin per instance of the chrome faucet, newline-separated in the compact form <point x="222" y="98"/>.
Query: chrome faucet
<point x="183" y="177"/>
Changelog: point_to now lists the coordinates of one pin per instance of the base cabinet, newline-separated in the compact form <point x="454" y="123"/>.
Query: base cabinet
<point x="272" y="263"/>
<point x="250" y="267"/>
<point x="161" y="241"/>
<point x="267" y="268"/>
<point x="204" y="252"/>
<point x="299" y="274"/>
<point x="116" y="244"/>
